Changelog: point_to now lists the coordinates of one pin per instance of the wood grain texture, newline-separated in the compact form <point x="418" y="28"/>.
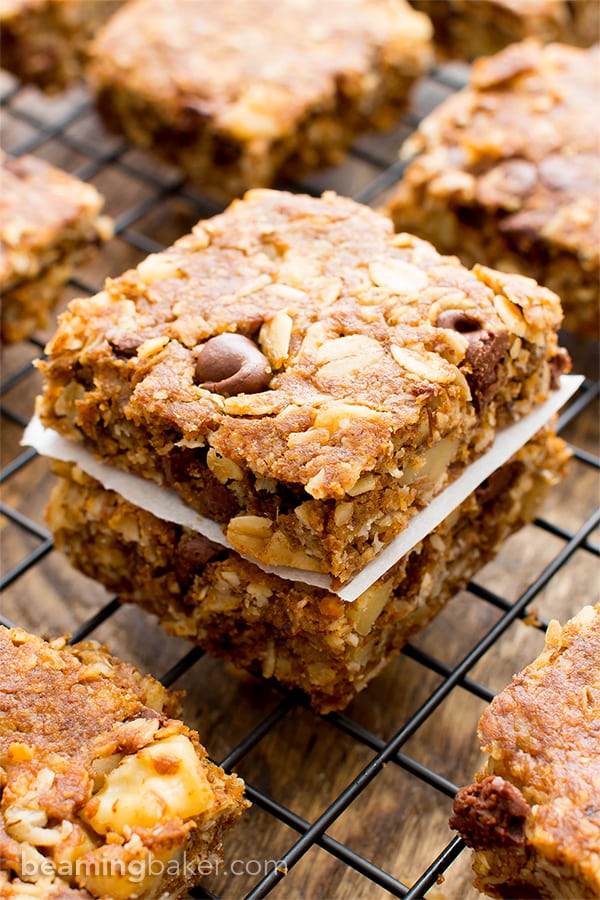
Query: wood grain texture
<point x="398" y="823"/>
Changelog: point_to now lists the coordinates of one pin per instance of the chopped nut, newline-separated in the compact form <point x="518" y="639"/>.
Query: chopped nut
<point x="343" y="513"/>
<point x="152" y="346"/>
<point x="348" y="355"/>
<point x="268" y="663"/>
<point x="330" y="290"/>
<point x="263" y="404"/>
<point x="368" y="607"/>
<point x="68" y="397"/>
<point x="182" y="793"/>
<point x="397" y="276"/>
<point x="32" y="863"/>
<point x="254" y="536"/>
<point x="364" y="484"/>
<point x="101" y="766"/>
<point x="424" y="364"/>
<point x="249" y="534"/>
<point x="338" y="415"/>
<point x="511" y="315"/>
<point x="451" y="299"/>
<point x="223" y="469"/>
<point x="266" y="484"/>
<point x="274" y="338"/>
<point x="433" y="462"/>
<point x="157" y="267"/>
<point x="24" y="824"/>
<point x="286" y="292"/>
<point x="19" y="752"/>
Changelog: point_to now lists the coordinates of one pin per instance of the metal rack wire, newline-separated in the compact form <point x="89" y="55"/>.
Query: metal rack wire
<point x="158" y="188"/>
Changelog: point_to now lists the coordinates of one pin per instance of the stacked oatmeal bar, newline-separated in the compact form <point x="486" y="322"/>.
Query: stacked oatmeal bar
<point x="506" y="172"/>
<point x="48" y="222"/>
<point x="532" y="815"/>
<point x="238" y="94"/>
<point x="102" y="792"/>
<point x="299" y="374"/>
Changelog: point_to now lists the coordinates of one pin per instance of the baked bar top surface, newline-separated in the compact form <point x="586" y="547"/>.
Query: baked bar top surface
<point x="543" y="735"/>
<point x="340" y="313"/>
<point x="40" y="208"/>
<point x="253" y="68"/>
<point x="521" y="142"/>
<point x="90" y="690"/>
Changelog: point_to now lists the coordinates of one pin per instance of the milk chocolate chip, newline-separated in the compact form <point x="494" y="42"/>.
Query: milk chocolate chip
<point x="484" y="350"/>
<point x="193" y="552"/>
<point x="124" y="345"/>
<point x="231" y="364"/>
<point x="490" y="813"/>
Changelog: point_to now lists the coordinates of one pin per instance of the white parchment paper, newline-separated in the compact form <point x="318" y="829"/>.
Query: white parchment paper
<point x="166" y="504"/>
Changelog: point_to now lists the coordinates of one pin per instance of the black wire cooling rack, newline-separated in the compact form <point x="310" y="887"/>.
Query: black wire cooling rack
<point x="67" y="129"/>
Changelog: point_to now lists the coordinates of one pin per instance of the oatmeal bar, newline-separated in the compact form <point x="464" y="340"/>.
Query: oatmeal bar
<point x="237" y="93"/>
<point x="532" y="816"/>
<point x="102" y="793"/>
<point x="48" y="220"/>
<point x="45" y="41"/>
<point x="300" y="374"/>
<point x="466" y="29"/>
<point x="506" y="173"/>
<point x="306" y="637"/>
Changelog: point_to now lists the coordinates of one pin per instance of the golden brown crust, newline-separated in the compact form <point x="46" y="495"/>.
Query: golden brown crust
<point x="505" y="172"/>
<point x="83" y="736"/>
<point x="374" y="401"/>
<point x="542" y="734"/>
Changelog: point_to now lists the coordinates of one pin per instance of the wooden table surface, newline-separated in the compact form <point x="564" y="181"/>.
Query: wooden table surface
<point x="398" y="822"/>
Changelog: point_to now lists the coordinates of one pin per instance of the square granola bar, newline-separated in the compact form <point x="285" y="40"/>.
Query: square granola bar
<point x="532" y="816"/>
<point x="305" y="637"/>
<point x="103" y="793"/>
<point x="45" y="41"/>
<point x="301" y="375"/>
<point x="507" y="173"/>
<point x="465" y="29"/>
<point x="239" y="93"/>
<point x="48" y="221"/>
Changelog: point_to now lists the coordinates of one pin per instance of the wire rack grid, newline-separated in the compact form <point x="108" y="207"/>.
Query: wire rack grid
<point x="406" y="713"/>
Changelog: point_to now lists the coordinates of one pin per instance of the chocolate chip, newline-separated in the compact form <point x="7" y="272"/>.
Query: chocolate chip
<point x="193" y="551"/>
<point x="559" y="363"/>
<point x="181" y="464"/>
<point x="458" y="320"/>
<point x="484" y="350"/>
<point x="490" y="813"/>
<point x="230" y="364"/>
<point x="124" y="345"/>
<point x="495" y="485"/>
<point x="216" y="502"/>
